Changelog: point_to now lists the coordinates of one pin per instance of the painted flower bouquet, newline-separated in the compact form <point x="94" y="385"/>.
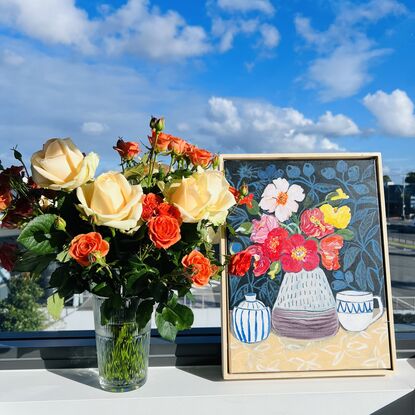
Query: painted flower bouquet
<point x="138" y="238"/>
<point x="299" y="241"/>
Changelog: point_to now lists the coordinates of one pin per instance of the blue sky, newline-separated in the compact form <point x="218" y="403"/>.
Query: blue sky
<point x="229" y="75"/>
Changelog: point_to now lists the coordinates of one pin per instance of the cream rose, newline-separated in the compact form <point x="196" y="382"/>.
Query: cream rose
<point x="203" y="195"/>
<point x="61" y="166"/>
<point x="112" y="201"/>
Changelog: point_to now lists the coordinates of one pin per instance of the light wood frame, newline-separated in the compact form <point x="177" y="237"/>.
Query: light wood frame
<point x="388" y="289"/>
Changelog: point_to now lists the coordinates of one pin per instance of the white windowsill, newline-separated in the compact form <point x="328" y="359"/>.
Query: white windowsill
<point x="200" y="391"/>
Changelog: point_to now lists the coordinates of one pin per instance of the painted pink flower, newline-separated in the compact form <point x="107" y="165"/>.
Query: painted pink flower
<point x="262" y="227"/>
<point x="299" y="253"/>
<point x="261" y="261"/>
<point x="313" y="225"/>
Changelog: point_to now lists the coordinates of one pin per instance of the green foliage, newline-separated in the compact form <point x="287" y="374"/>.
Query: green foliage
<point x="254" y="211"/>
<point x="20" y="311"/>
<point x="40" y="235"/>
<point x="346" y="234"/>
<point x="33" y="263"/>
<point x="55" y="305"/>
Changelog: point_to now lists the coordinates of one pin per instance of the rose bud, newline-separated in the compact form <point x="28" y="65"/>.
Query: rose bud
<point x="60" y="224"/>
<point x="127" y="149"/>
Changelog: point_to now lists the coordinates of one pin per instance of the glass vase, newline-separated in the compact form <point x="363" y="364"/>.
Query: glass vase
<point x="122" y="348"/>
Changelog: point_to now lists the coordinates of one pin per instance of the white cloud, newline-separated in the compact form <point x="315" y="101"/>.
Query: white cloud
<point x="264" y="6"/>
<point x="137" y="29"/>
<point x="93" y="127"/>
<point x="394" y="112"/>
<point x="270" y="35"/>
<point x="344" y="52"/>
<point x="12" y="58"/>
<point x="51" y="21"/>
<point x="336" y="125"/>
<point x="134" y="28"/>
<point x="253" y="126"/>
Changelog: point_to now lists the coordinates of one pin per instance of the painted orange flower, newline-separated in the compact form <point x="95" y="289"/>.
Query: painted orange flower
<point x="329" y="251"/>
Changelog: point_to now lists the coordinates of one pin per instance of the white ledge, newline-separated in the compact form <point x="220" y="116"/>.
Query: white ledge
<point x="201" y="390"/>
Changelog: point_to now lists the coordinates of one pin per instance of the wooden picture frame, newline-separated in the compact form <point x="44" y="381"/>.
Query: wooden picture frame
<point x="303" y="341"/>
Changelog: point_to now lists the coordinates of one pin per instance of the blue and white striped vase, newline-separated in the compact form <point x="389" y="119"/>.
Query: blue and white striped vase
<point x="251" y="320"/>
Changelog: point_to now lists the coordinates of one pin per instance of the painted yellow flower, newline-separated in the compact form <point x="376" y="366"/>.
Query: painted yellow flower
<point x="339" y="195"/>
<point x="339" y="217"/>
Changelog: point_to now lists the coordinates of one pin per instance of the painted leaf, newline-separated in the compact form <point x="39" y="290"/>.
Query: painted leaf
<point x="338" y="285"/>
<point x="368" y="172"/>
<point x="361" y="189"/>
<point x="341" y="166"/>
<point x="370" y="282"/>
<point x="348" y="276"/>
<point x="371" y="233"/>
<point x="328" y="173"/>
<point x="293" y="172"/>
<point x="245" y="228"/>
<point x="255" y="208"/>
<point x="350" y="256"/>
<point x="361" y="275"/>
<point x="353" y="173"/>
<point x="325" y="187"/>
<point x="346" y="234"/>
<point x="367" y="200"/>
<point x="308" y="169"/>
<point x="376" y="249"/>
<point x="366" y="224"/>
<point x="338" y="275"/>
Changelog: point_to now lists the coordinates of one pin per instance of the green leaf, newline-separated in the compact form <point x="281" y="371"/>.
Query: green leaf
<point x="63" y="256"/>
<point x="144" y="311"/>
<point x="245" y="228"/>
<point x="102" y="289"/>
<point x="180" y="315"/>
<point x="274" y="269"/>
<point x="255" y="208"/>
<point x="55" y="305"/>
<point x="166" y="329"/>
<point x="308" y="202"/>
<point x="37" y="236"/>
<point x="33" y="263"/>
<point x="346" y="234"/>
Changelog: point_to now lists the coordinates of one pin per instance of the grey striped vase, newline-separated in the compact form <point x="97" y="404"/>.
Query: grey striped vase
<point x="251" y="320"/>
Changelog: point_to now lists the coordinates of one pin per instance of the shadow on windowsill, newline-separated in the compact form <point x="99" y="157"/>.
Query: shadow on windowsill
<point x="211" y="373"/>
<point x="87" y="377"/>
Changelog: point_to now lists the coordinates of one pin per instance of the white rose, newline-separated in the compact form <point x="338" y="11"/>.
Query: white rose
<point x="61" y="166"/>
<point x="203" y="195"/>
<point x="112" y="201"/>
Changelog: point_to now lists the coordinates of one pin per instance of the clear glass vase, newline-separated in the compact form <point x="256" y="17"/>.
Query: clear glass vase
<point x="122" y="348"/>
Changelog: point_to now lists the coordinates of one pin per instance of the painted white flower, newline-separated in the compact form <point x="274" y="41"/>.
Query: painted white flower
<point x="281" y="199"/>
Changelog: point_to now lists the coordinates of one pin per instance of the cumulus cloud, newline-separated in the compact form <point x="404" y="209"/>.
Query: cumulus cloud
<point x="134" y="28"/>
<point x="93" y="127"/>
<point x="270" y="35"/>
<point x="253" y="126"/>
<point x="51" y="21"/>
<point x="344" y="52"/>
<point x="394" y="112"/>
<point x="263" y="6"/>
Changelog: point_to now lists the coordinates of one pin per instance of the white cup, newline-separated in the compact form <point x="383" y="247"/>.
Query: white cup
<point x="355" y="309"/>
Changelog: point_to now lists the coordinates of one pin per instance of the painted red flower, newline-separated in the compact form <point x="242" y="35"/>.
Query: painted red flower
<point x="240" y="263"/>
<point x="274" y="243"/>
<point x="329" y="250"/>
<point x="240" y="199"/>
<point x="261" y="260"/>
<point x="313" y="225"/>
<point x="299" y="253"/>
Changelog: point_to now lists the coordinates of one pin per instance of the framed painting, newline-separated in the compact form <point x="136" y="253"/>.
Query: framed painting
<point x="307" y="289"/>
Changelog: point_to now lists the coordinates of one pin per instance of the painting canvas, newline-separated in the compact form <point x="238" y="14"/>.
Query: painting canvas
<point x="307" y="289"/>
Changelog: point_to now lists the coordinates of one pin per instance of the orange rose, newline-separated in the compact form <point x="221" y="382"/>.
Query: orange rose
<point x="177" y="146"/>
<point x="164" y="231"/>
<point x="160" y="141"/>
<point x="200" y="157"/>
<point x="5" y="197"/>
<point x="150" y="203"/>
<point x="127" y="149"/>
<point x="85" y="247"/>
<point x="200" y="266"/>
<point x="169" y="210"/>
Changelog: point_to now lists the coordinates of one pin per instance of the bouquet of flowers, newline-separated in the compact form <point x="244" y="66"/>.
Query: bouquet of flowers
<point x="143" y="232"/>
